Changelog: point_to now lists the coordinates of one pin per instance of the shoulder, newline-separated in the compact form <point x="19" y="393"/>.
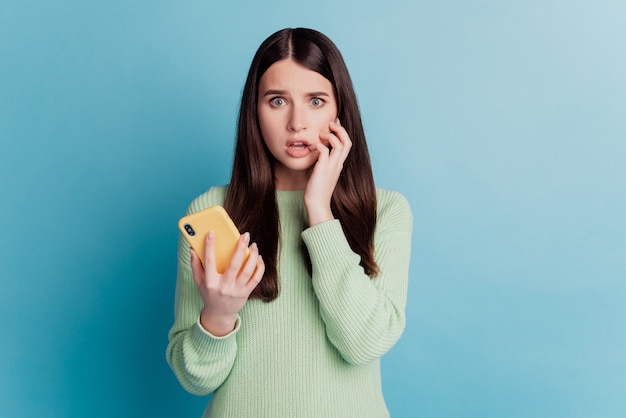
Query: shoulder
<point x="392" y="201"/>
<point x="214" y="196"/>
<point x="392" y="209"/>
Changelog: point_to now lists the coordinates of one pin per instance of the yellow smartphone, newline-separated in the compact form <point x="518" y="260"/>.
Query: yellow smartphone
<point x="196" y="226"/>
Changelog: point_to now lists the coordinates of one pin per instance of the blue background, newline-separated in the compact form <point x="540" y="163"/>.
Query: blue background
<point x="501" y="121"/>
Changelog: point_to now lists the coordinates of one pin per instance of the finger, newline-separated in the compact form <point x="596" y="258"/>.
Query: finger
<point x="249" y="265"/>
<point x="238" y="256"/>
<point x="322" y="150"/>
<point x="334" y="141"/>
<point x="255" y="279"/>
<point x="338" y="151"/>
<point x="196" y="268"/>
<point x="210" y="262"/>
<point x="337" y="129"/>
<point x="342" y="134"/>
<point x="324" y="140"/>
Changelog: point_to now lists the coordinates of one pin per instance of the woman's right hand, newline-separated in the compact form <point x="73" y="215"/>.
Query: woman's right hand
<point x="225" y="294"/>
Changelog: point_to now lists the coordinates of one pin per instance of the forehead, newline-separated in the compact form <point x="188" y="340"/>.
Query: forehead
<point x="290" y="76"/>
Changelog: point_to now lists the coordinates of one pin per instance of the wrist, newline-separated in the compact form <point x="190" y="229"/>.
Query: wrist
<point x="317" y="216"/>
<point x="217" y="326"/>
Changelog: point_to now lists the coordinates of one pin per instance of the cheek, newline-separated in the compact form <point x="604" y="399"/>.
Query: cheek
<point x="269" y="120"/>
<point x="322" y="124"/>
<point x="265" y="125"/>
<point x="269" y="135"/>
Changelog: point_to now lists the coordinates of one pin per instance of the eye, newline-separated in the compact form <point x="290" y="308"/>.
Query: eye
<point x="277" y="101"/>
<point x="317" y="102"/>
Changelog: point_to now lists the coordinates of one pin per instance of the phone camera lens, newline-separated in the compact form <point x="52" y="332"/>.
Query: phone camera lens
<point x="190" y="230"/>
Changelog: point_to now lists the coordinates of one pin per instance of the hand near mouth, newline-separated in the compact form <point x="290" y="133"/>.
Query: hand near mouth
<point x="333" y="150"/>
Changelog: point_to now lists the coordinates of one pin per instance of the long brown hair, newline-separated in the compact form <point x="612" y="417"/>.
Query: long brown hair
<point x="251" y="196"/>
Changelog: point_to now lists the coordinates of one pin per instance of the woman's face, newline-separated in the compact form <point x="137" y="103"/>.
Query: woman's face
<point x="294" y="106"/>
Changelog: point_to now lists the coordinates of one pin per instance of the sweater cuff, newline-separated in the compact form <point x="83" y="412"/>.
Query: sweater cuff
<point x="325" y="241"/>
<point x="203" y="330"/>
<point x="204" y="340"/>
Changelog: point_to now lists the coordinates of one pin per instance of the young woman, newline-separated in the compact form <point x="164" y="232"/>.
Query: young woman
<point x="297" y="330"/>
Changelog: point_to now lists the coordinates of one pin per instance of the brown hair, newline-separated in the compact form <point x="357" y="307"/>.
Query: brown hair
<point x="251" y="196"/>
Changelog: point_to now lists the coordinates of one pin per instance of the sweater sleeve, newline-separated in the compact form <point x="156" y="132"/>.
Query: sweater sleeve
<point x="200" y="361"/>
<point x="364" y="317"/>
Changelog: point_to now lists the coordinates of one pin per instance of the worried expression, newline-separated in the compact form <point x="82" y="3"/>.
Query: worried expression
<point x="295" y="105"/>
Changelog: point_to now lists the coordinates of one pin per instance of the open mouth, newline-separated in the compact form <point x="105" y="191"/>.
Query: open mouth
<point x="298" y="149"/>
<point x="298" y="145"/>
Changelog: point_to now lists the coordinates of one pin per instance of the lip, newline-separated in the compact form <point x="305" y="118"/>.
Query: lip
<point x="298" y="148"/>
<point x="295" y="141"/>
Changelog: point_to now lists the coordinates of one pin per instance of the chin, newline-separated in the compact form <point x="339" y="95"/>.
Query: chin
<point x="299" y="166"/>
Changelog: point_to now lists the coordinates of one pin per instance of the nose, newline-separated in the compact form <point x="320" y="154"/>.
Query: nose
<point x="297" y="119"/>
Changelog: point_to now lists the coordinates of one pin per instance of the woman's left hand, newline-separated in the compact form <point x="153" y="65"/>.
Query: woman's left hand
<point x="333" y="151"/>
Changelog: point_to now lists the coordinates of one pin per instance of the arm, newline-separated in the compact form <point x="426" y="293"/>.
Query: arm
<point x="364" y="317"/>
<point x="200" y="361"/>
<point x="202" y="342"/>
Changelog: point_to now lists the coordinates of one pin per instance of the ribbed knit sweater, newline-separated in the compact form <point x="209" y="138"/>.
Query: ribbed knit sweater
<point x="314" y="351"/>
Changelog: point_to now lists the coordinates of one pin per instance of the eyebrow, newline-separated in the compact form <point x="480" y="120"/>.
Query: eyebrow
<point x="283" y="92"/>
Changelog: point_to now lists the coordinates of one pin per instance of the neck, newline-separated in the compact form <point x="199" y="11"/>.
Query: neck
<point x="286" y="179"/>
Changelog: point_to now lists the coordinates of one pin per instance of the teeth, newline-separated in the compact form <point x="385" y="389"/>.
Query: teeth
<point x="297" y="144"/>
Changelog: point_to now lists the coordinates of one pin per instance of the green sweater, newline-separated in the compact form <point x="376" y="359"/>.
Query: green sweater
<point x="315" y="350"/>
